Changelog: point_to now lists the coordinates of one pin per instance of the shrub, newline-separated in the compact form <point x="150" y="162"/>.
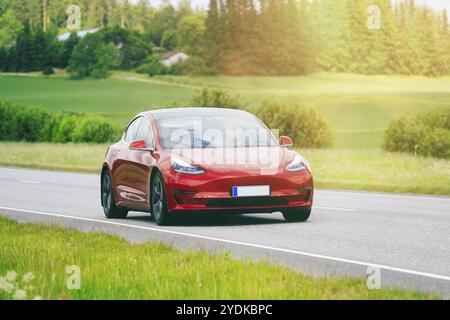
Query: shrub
<point x="305" y="126"/>
<point x="426" y="134"/>
<point x="47" y="71"/>
<point x="65" y="128"/>
<point x="195" y="66"/>
<point x="93" y="129"/>
<point x="25" y="123"/>
<point x="206" y="98"/>
<point x="7" y="112"/>
<point x="49" y="129"/>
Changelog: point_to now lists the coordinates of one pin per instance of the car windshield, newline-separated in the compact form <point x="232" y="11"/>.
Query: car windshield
<point x="214" y="131"/>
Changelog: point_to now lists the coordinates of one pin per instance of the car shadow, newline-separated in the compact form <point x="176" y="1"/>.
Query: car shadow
<point x="208" y="220"/>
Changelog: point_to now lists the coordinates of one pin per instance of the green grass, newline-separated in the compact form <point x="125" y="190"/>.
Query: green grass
<point x="357" y="107"/>
<point x="112" y="268"/>
<point x="374" y="170"/>
<point x="361" y="169"/>
<point x="63" y="157"/>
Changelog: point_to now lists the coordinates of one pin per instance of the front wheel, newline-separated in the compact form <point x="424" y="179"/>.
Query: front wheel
<point x="297" y="214"/>
<point x="159" y="200"/>
<point x="108" y="202"/>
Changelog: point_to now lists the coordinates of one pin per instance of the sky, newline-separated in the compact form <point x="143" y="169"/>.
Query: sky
<point x="438" y="4"/>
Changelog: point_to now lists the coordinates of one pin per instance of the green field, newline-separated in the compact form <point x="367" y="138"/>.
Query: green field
<point x="357" y="107"/>
<point x="111" y="268"/>
<point x="362" y="169"/>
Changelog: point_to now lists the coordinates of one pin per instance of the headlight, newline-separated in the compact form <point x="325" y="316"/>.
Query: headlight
<point x="298" y="164"/>
<point x="180" y="166"/>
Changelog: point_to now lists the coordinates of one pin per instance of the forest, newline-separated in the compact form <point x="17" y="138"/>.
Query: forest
<point x="235" y="37"/>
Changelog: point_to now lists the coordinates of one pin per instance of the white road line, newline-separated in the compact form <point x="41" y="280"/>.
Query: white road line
<point x="30" y="181"/>
<point x="375" y="194"/>
<point x="337" y="209"/>
<point x="307" y="254"/>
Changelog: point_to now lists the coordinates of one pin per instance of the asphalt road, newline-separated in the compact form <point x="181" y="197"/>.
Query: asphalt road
<point x="405" y="238"/>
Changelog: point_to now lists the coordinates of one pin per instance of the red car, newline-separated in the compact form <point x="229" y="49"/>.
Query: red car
<point x="202" y="160"/>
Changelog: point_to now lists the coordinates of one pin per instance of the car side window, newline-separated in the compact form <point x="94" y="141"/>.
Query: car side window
<point x="145" y="133"/>
<point x="131" y="133"/>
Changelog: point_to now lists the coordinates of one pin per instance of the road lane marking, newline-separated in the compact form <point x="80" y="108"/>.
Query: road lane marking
<point x="337" y="209"/>
<point x="246" y="244"/>
<point x="30" y="181"/>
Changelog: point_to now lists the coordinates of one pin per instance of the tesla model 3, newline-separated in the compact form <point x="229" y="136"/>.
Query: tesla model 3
<point x="172" y="162"/>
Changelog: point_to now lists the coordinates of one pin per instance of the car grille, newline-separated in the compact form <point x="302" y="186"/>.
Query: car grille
<point x="248" y="202"/>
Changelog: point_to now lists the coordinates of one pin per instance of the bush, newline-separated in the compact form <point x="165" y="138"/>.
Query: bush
<point x="195" y="66"/>
<point x="49" y="129"/>
<point x="206" y="98"/>
<point x="25" y="123"/>
<point x="46" y="71"/>
<point x="93" y="129"/>
<point x="65" y="128"/>
<point x="305" y="126"/>
<point x="153" y="67"/>
<point x="425" y="134"/>
<point x="7" y="112"/>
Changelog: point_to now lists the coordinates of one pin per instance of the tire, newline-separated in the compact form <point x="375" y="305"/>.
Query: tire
<point x="158" y="200"/>
<point x="108" y="201"/>
<point x="297" y="214"/>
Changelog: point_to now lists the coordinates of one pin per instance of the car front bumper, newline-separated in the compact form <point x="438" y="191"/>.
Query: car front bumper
<point x="213" y="193"/>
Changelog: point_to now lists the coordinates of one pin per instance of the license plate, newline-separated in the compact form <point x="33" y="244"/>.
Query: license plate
<point x="251" y="191"/>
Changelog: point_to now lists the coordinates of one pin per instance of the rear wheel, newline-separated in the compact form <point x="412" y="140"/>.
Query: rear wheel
<point x="108" y="202"/>
<point x="158" y="200"/>
<point x="297" y="214"/>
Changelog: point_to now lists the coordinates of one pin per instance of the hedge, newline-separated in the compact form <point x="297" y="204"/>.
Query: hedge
<point x="425" y="134"/>
<point x="33" y="124"/>
<point x="304" y="125"/>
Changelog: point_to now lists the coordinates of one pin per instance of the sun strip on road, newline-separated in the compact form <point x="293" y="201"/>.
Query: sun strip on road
<point x="252" y="245"/>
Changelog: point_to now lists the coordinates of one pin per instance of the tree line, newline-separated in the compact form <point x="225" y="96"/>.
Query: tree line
<point x="265" y="37"/>
<point x="296" y="37"/>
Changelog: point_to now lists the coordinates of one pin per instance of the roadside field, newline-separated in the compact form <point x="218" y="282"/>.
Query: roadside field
<point x="362" y="169"/>
<point x="357" y="107"/>
<point x="111" y="268"/>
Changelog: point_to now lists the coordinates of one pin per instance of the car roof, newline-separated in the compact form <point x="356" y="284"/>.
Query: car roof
<point x="181" y="112"/>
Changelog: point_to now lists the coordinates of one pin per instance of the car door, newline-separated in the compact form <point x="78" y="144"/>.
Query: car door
<point x="123" y="163"/>
<point x="141" y="165"/>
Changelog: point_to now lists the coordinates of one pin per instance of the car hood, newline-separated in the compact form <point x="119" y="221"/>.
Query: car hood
<point x="236" y="159"/>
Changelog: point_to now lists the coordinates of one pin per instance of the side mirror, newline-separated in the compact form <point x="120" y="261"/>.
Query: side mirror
<point x="140" y="145"/>
<point x="286" y="141"/>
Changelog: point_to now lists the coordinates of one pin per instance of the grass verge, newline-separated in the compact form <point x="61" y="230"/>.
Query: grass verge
<point x="368" y="170"/>
<point x="357" y="107"/>
<point x="112" y="268"/>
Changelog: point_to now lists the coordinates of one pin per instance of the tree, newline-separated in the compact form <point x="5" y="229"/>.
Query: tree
<point x="10" y="28"/>
<point x="164" y="20"/>
<point x="134" y="49"/>
<point x="191" y="30"/>
<point x="93" y="57"/>
<point x="66" y="50"/>
<point x="23" y="50"/>
<point x="170" y="40"/>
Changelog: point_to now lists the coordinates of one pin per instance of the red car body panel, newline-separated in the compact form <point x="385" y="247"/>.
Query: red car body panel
<point x="131" y="172"/>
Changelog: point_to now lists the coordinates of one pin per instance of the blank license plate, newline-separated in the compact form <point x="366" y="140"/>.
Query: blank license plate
<point x="255" y="191"/>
